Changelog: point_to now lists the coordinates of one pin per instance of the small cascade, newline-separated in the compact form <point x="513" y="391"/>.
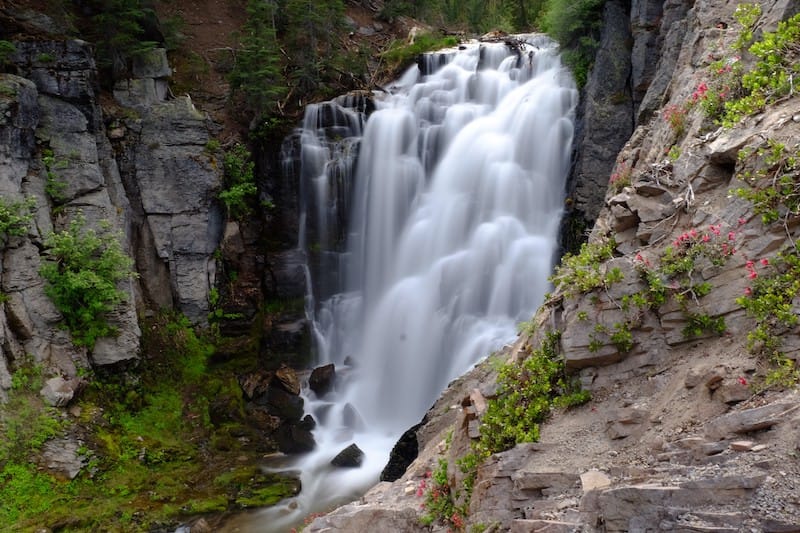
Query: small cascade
<point x="431" y="225"/>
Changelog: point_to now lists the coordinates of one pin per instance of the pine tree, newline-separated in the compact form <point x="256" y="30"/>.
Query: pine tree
<point x="258" y="73"/>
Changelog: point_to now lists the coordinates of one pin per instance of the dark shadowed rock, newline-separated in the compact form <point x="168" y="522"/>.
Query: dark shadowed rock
<point x="322" y="379"/>
<point x="284" y="405"/>
<point x="293" y="439"/>
<point x="403" y="454"/>
<point x="350" y="457"/>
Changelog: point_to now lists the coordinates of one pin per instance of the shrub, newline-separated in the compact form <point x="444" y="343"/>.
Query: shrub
<point x="586" y="271"/>
<point x="240" y="187"/>
<point x="15" y="217"/>
<point x="526" y="393"/>
<point x="82" y="275"/>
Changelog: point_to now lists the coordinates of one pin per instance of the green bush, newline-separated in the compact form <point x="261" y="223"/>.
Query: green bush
<point x="15" y="218"/>
<point x="240" y="186"/>
<point x="82" y="275"/>
<point x="526" y="393"/>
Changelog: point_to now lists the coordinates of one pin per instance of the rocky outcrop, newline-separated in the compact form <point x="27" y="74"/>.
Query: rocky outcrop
<point x="146" y="174"/>
<point x="171" y="179"/>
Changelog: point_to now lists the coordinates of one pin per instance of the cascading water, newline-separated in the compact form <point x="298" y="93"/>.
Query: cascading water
<point x="433" y="234"/>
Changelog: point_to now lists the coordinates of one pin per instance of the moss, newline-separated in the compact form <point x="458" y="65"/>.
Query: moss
<point x="148" y="443"/>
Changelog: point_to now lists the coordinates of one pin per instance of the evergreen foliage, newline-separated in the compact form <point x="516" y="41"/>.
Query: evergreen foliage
<point x="82" y="277"/>
<point x="118" y="31"/>
<point x="257" y="73"/>
<point x="575" y="24"/>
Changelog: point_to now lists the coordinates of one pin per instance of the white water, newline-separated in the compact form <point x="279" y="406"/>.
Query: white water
<point x="433" y="243"/>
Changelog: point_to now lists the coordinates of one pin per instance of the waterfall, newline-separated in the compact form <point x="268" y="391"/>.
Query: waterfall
<point x="432" y="222"/>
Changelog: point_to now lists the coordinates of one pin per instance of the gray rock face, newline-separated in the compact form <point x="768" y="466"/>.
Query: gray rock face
<point x="53" y="148"/>
<point x="172" y="184"/>
<point x="608" y="116"/>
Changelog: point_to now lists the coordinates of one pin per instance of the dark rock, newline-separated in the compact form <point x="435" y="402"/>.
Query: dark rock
<point x="322" y="379"/>
<point x="607" y="116"/>
<point x="307" y="423"/>
<point x="292" y="439"/>
<point x="284" y="405"/>
<point x="350" y="457"/>
<point x="403" y="454"/>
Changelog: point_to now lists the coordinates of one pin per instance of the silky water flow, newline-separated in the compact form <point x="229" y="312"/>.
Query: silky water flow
<point x="430" y="223"/>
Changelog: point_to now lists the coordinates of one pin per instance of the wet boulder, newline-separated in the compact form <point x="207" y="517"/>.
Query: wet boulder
<point x="350" y="457"/>
<point x="322" y="379"/>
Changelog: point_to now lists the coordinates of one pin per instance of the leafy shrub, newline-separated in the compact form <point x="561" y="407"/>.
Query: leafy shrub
<point x="586" y="271"/>
<point x="15" y="217"/>
<point x="526" y="393"/>
<point x="773" y="179"/>
<point x="82" y="275"/>
<point x="240" y="187"/>
<point x="772" y="76"/>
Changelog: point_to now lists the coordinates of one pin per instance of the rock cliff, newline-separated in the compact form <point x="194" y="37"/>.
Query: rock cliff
<point x="683" y="431"/>
<point x="140" y="167"/>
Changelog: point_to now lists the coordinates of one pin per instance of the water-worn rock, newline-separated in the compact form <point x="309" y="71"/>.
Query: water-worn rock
<point x="350" y="457"/>
<point x="322" y="379"/>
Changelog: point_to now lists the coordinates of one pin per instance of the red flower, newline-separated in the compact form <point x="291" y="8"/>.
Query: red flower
<point x="742" y="221"/>
<point x="742" y="380"/>
<point x="748" y="291"/>
<point x="731" y="236"/>
<point x="765" y="262"/>
<point x="753" y="274"/>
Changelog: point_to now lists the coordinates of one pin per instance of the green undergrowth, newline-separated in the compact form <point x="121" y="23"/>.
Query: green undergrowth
<point x="527" y="392"/>
<point x="157" y="443"/>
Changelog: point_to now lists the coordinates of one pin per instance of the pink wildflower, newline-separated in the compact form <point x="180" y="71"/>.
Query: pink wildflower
<point x="753" y="274"/>
<point x="706" y="238"/>
<point x="742" y="221"/>
<point x="765" y="262"/>
<point x="748" y="291"/>
<point x="731" y="236"/>
<point x="742" y="380"/>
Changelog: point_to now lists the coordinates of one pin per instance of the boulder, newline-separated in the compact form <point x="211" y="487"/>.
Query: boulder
<point x="292" y="439"/>
<point x="322" y="379"/>
<point x="402" y="455"/>
<point x="58" y="391"/>
<point x="286" y="378"/>
<point x="350" y="457"/>
<point x="284" y="405"/>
